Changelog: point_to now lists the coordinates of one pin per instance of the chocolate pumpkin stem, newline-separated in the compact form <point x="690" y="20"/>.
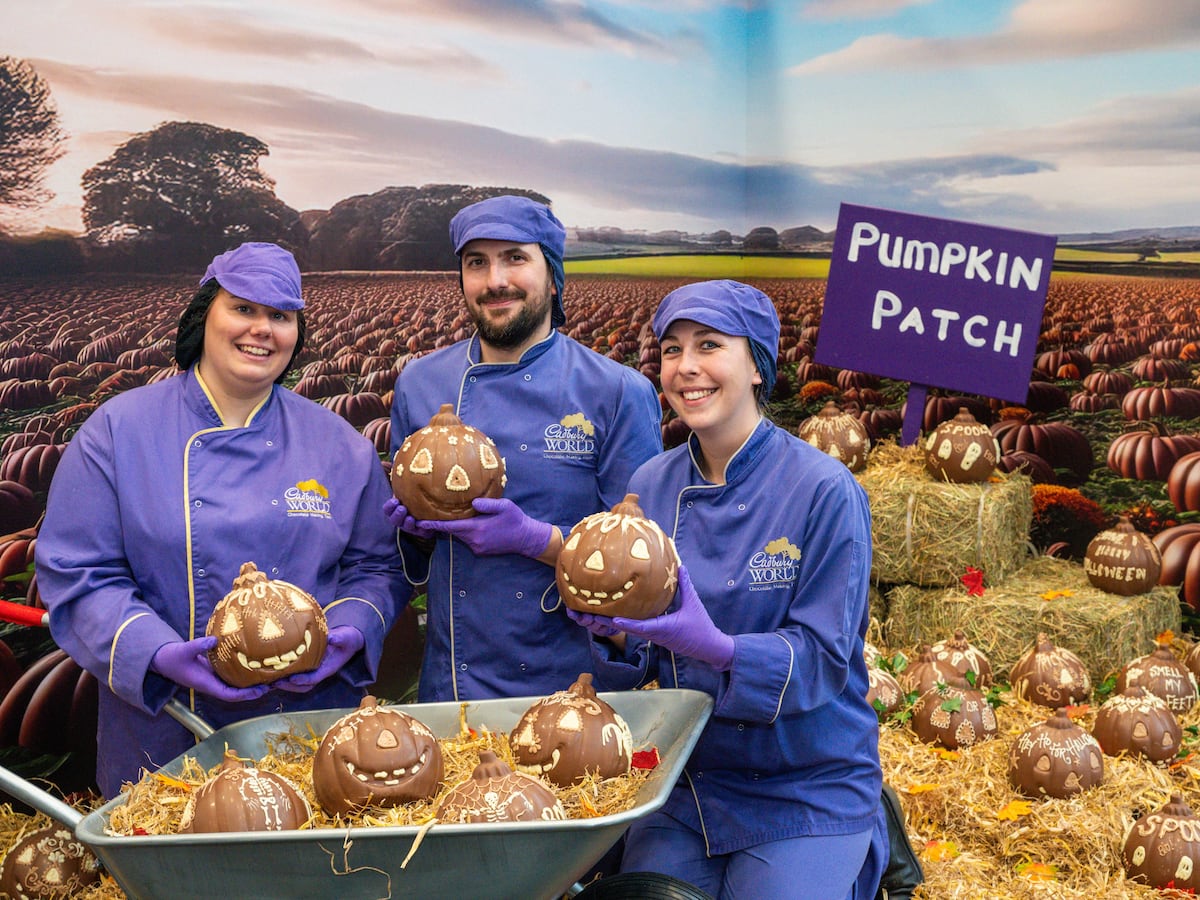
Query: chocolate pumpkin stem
<point x="629" y="507"/>
<point x="445" y="416"/>
<point x="490" y="766"/>
<point x="248" y="575"/>
<point x="583" y="685"/>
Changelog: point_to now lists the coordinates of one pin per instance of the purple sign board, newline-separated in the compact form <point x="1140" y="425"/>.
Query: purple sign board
<point x="934" y="301"/>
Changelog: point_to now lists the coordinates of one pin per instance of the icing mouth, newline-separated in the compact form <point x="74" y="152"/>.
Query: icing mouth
<point x="276" y="663"/>
<point x="597" y="598"/>
<point x="392" y="778"/>
<point x="541" y="768"/>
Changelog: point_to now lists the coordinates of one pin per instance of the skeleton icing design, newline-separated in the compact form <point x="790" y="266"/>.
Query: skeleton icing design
<point x="441" y="468"/>
<point x="266" y="630"/>
<point x="495" y="793"/>
<point x="376" y="756"/>
<point x="244" y="798"/>
<point x="618" y="563"/>
<point x="571" y="733"/>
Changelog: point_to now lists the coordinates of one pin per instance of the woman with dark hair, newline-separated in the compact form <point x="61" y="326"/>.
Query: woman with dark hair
<point x="781" y="796"/>
<point x="166" y="490"/>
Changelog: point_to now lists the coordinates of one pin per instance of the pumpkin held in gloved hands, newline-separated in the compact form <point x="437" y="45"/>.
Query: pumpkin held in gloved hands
<point x="266" y="630"/>
<point x="441" y="468"/>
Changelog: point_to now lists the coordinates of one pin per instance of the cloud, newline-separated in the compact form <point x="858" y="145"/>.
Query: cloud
<point x="1037" y="30"/>
<point x="566" y="22"/>
<point x="856" y="9"/>
<point x="222" y="30"/>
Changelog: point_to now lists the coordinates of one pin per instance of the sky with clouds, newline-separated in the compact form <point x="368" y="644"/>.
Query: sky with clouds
<point x="1053" y="116"/>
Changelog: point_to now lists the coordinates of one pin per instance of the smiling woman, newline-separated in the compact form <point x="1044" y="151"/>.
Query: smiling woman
<point x="169" y="490"/>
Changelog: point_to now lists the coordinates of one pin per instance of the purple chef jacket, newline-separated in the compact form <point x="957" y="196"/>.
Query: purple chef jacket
<point x="572" y="425"/>
<point x="781" y="556"/>
<point x="152" y="511"/>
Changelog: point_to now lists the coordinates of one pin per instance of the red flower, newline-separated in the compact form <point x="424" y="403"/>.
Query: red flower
<point x="973" y="581"/>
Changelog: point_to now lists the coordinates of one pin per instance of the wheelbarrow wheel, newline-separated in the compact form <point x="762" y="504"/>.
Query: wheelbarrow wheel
<point x="641" y="886"/>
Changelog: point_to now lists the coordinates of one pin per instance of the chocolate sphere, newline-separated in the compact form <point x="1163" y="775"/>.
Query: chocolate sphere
<point x="571" y="733"/>
<point x="961" y="450"/>
<point x="839" y="434"/>
<point x="243" y="798"/>
<point x="495" y="793"/>
<point x="1050" y="676"/>
<point x="618" y="563"/>
<point x="1122" y="560"/>
<point x="266" y="630"/>
<point x="48" y="863"/>
<point x="962" y="657"/>
<point x="441" y="468"/>
<point x="954" y="715"/>
<point x="1138" y="723"/>
<point x="1164" y="675"/>
<point x="1162" y="849"/>
<point x="376" y="756"/>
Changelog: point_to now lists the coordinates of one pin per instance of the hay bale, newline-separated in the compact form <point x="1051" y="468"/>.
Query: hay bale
<point x="1046" y="595"/>
<point x="928" y="532"/>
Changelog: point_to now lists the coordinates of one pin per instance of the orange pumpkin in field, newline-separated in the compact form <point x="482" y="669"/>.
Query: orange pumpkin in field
<point x="618" y="563"/>
<point x="441" y="468"/>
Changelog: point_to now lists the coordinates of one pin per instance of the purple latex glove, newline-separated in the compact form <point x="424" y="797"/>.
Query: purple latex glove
<point x="397" y="513"/>
<point x="499" y="528"/>
<point x="685" y="628"/>
<point x="186" y="663"/>
<point x="600" y="626"/>
<point x="341" y="644"/>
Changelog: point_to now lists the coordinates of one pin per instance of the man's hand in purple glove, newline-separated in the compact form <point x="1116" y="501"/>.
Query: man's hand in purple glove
<point x="343" y="642"/>
<point x="186" y="663"/>
<point x="500" y="528"/>
<point x="600" y="626"/>
<point x="396" y="513"/>
<point x="685" y="628"/>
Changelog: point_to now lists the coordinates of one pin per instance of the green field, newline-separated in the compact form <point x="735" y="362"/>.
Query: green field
<point x="702" y="266"/>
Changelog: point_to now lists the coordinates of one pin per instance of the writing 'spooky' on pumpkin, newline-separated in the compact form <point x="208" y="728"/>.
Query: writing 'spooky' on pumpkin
<point x="267" y="629"/>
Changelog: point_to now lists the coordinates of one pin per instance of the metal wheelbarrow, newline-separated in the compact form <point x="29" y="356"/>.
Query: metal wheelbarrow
<point x="518" y="860"/>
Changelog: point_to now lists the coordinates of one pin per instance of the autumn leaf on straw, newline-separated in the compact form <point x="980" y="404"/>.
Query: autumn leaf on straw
<point x="1014" y="809"/>
<point x="935" y="851"/>
<point x="1055" y="594"/>
<point x="920" y="788"/>
<point x="973" y="581"/>
<point x="1038" y="871"/>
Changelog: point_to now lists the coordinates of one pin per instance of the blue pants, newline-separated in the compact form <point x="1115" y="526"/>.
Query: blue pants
<point x="822" y="867"/>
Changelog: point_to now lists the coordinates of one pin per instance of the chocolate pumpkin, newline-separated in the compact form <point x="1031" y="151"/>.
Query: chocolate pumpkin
<point x="618" y="563"/>
<point x="839" y="434"/>
<point x="495" y="793"/>
<point x="883" y="692"/>
<point x="48" y="863"/>
<point x="1161" y="849"/>
<point x="926" y="673"/>
<point x="1050" y="676"/>
<point x="1121" y="560"/>
<point x="376" y="756"/>
<point x="1055" y="759"/>
<point x="954" y="715"/>
<point x="267" y="629"/>
<point x="958" y="655"/>
<point x="1138" y="723"/>
<point x="961" y="450"/>
<point x="571" y="733"/>
<point x="244" y="798"/>
<point x="1162" y="674"/>
<point x="441" y="468"/>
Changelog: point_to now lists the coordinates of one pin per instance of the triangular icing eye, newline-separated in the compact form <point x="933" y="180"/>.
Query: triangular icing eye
<point x="572" y="542"/>
<point x="422" y="463"/>
<point x="487" y="457"/>
<point x="458" y="479"/>
<point x="639" y="550"/>
<point x="270" y="629"/>
<point x="230" y="623"/>
<point x="595" y="562"/>
<point x="387" y="740"/>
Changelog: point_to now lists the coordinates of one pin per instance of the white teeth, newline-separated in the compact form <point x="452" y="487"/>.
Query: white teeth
<point x="379" y="776"/>
<point x="255" y="351"/>
<point x="592" y="602"/>
<point x="696" y="395"/>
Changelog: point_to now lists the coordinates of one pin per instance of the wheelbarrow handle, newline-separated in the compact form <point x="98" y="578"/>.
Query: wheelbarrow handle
<point x="20" y="614"/>
<point x="16" y="786"/>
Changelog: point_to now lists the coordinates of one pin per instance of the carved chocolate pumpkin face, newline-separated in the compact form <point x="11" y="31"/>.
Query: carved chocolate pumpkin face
<point x="441" y="468"/>
<point x="953" y="715"/>
<point x="839" y="434"/>
<point x="244" y="798"/>
<point x="1055" y="759"/>
<point x="266" y="630"/>
<point x="571" y="733"/>
<point x="618" y="563"/>
<point x="49" y="862"/>
<point x="495" y="793"/>
<point x="376" y="756"/>
<point x="961" y="450"/>
<point x="1138" y="723"/>
<point x="1162" y="849"/>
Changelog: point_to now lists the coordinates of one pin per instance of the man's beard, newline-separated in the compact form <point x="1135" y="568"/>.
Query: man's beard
<point x="514" y="332"/>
